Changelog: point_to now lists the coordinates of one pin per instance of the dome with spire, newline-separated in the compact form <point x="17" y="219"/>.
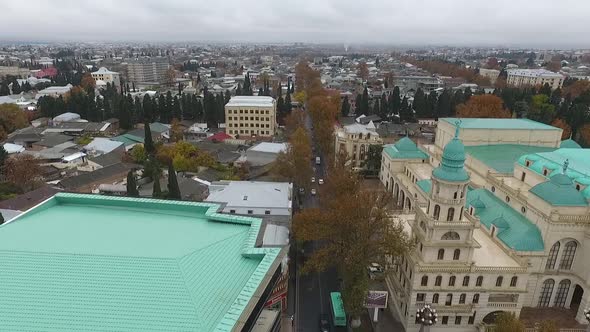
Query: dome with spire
<point x="452" y="168"/>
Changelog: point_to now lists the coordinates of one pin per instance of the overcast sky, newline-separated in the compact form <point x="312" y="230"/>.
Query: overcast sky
<point x="544" y="23"/>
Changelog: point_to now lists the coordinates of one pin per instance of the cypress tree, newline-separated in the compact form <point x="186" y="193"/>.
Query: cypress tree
<point x="3" y="157"/>
<point x="147" y="108"/>
<point x="467" y="94"/>
<point x="365" y="102"/>
<point x="345" y="107"/>
<point x="16" y="89"/>
<point x="4" y="90"/>
<point x="261" y="92"/>
<point x="1" y="218"/>
<point x="247" y="88"/>
<point x="157" y="192"/>
<point x="176" y="111"/>
<point x="376" y="107"/>
<point x="239" y="90"/>
<point x="148" y="142"/>
<point x="173" y="189"/>
<point x="357" y="105"/>
<point x="395" y="100"/>
<point x="131" y="185"/>
<point x="288" y="103"/>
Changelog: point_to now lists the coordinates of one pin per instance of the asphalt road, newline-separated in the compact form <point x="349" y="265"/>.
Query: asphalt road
<point x="312" y="297"/>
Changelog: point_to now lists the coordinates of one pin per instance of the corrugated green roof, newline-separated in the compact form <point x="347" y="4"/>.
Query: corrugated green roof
<point x="128" y="139"/>
<point x="425" y="185"/>
<point x="405" y="148"/>
<point x="501" y="157"/>
<point x="514" y="229"/>
<point x="99" y="263"/>
<point x="559" y="191"/>
<point x="485" y="123"/>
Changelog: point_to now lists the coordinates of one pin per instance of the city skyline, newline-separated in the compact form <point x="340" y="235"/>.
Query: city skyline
<point x="501" y="23"/>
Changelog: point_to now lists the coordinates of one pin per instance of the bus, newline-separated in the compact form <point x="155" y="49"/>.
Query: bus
<point x="338" y="314"/>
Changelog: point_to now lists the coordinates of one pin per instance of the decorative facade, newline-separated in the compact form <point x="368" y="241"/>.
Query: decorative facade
<point x="497" y="226"/>
<point x="354" y="140"/>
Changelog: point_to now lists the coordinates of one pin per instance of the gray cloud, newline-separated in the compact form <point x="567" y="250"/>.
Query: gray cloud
<point x="458" y="22"/>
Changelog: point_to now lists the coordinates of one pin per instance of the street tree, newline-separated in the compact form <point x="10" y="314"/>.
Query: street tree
<point x="541" y="110"/>
<point x="24" y="171"/>
<point x="11" y="119"/>
<point x="483" y="106"/>
<point x="294" y="163"/>
<point x="132" y="185"/>
<point x="373" y="162"/>
<point x="507" y="322"/>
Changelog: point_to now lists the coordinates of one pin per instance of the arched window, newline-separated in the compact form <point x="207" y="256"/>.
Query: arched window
<point x="475" y="298"/>
<point x="562" y="291"/>
<point x="513" y="281"/>
<point x="435" y="298"/>
<point x="462" y="298"/>
<point x="546" y="292"/>
<point x="451" y="214"/>
<point x="424" y="281"/>
<point x="455" y="195"/>
<point x="466" y="281"/>
<point x="452" y="280"/>
<point x="438" y="281"/>
<point x="552" y="258"/>
<point x="449" y="299"/>
<point x="479" y="281"/>
<point x="436" y="211"/>
<point x="456" y="254"/>
<point x="450" y="236"/>
<point x="568" y="255"/>
<point x="499" y="281"/>
<point x="441" y="254"/>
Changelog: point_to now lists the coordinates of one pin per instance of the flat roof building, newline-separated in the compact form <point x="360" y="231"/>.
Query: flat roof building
<point x="147" y="70"/>
<point x="88" y="263"/>
<point x="534" y="77"/>
<point x="251" y="116"/>
<point x="106" y="76"/>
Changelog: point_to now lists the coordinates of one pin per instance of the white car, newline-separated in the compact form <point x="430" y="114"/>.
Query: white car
<point x="312" y="179"/>
<point x="313" y="191"/>
<point x="320" y="181"/>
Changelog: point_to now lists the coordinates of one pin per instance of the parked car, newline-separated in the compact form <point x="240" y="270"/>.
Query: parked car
<point x="324" y="323"/>
<point x="302" y="190"/>
<point x="312" y="179"/>
<point x="320" y="181"/>
<point x="313" y="191"/>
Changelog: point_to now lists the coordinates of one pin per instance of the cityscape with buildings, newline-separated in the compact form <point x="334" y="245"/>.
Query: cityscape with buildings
<point x="262" y="184"/>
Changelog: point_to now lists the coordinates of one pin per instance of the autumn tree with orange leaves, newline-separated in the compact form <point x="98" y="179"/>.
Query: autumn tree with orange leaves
<point x="363" y="70"/>
<point x="294" y="164"/>
<point x="24" y="171"/>
<point x="561" y="123"/>
<point x="483" y="106"/>
<point x="355" y="229"/>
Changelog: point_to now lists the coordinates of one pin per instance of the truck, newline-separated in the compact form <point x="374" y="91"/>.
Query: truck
<point x="317" y="160"/>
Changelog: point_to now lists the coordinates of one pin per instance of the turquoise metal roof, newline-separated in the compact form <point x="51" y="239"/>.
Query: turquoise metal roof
<point x="485" y="123"/>
<point x="425" y="185"/>
<point x="99" y="263"/>
<point x="559" y="191"/>
<point x="405" y="148"/>
<point x="128" y="139"/>
<point x="578" y="169"/>
<point x="501" y="157"/>
<point x="570" y="144"/>
<point x="514" y="229"/>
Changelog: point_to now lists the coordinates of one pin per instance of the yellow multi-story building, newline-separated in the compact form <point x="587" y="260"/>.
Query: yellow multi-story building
<point x="534" y="77"/>
<point x="251" y="116"/>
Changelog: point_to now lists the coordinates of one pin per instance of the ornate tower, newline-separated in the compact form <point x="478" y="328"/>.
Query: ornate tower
<point x="447" y="237"/>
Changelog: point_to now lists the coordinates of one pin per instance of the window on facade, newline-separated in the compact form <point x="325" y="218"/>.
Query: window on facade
<point x="455" y="195"/>
<point x="451" y="214"/>
<point x="266" y="211"/>
<point x="523" y="209"/>
<point x="513" y="281"/>
<point x="466" y="281"/>
<point x="438" y="281"/>
<point x="452" y="280"/>
<point x="424" y="281"/>
<point x="562" y="291"/>
<point x="445" y="320"/>
<point x="569" y="253"/>
<point x="462" y="298"/>
<point x="545" y="172"/>
<point x="471" y="319"/>
<point x="522" y="176"/>
<point x="232" y="211"/>
<point x="420" y="297"/>
<point x="457" y="320"/>
<point x="456" y="254"/>
<point x="421" y="247"/>
<point x="441" y="254"/>
<point x="499" y="281"/>
<point x="449" y="299"/>
<point x="436" y="211"/>
<point x="578" y="187"/>
<point x="546" y="292"/>
<point x="250" y="212"/>
<point x="507" y="199"/>
<point x="435" y="298"/>
<point x="479" y="281"/>
<point x="450" y="236"/>
<point x="475" y="298"/>
<point x="493" y="189"/>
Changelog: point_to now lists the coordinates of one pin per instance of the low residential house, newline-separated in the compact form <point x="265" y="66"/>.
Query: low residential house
<point x="28" y="200"/>
<point x="25" y="102"/>
<point x="13" y="148"/>
<point x="190" y="189"/>
<point x="80" y="128"/>
<point x="104" y="160"/>
<point x="263" y="153"/>
<point x="223" y="153"/>
<point x="51" y="140"/>
<point x="54" y="91"/>
<point x="90" y="181"/>
<point x="160" y="132"/>
<point x="253" y="197"/>
<point x="196" y="132"/>
<point x="129" y="140"/>
<point x="56" y="153"/>
<point x="101" y="145"/>
<point x="74" y="159"/>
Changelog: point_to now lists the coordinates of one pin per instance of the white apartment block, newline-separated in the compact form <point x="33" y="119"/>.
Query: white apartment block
<point x="354" y="140"/>
<point x="500" y="223"/>
<point x="534" y="77"/>
<point x="103" y="76"/>
<point x="147" y="71"/>
<point x="14" y="71"/>
<point x="251" y="116"/>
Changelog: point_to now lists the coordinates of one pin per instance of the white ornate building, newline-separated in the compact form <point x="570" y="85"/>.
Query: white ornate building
<point x="500" y="214"/>
<point x="354" y="140"/>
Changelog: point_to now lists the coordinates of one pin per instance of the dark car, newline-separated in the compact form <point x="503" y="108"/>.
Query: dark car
<point x="324" y="323"/>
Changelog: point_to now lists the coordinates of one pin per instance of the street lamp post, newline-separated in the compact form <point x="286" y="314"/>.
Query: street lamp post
<point x="587" y="316"/>
<point x="427" y="317"/>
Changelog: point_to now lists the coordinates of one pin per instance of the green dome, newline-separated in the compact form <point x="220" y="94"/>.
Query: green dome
<point x="405" y="144"/>
<point x="559" y="191"/>
<point x="569" y="144"/>
<point x="451" y="167"/>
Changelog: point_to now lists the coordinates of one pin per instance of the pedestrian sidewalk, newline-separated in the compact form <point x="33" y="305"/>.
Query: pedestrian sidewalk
<point x="286" y="323"/>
